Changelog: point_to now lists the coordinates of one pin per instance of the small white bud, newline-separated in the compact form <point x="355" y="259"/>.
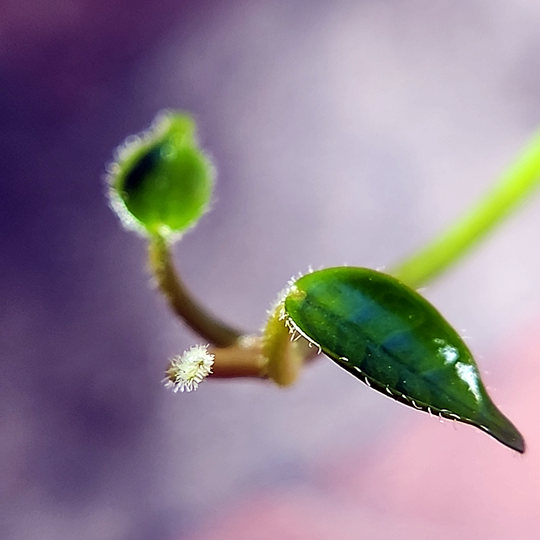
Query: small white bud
<point x="185" y="372"/>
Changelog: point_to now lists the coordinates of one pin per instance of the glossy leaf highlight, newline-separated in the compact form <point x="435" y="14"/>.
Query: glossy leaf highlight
<point x="394" y="340"/>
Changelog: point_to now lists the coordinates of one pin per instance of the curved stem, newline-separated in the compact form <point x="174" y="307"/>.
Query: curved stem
<point x="182" y="303"/>
<point x="515" y="185"/>
<point x="236" y="355"/>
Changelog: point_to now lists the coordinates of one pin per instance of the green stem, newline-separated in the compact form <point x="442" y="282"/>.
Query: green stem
<point x="514" y="186"/>
<point x="182" y="303"/>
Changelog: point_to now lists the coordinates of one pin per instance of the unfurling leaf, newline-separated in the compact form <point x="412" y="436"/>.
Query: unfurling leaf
<point x="161" y="182"/>
<point x="391" y="338"/>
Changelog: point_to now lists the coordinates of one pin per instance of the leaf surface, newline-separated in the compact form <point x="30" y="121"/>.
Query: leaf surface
<point x="390" y="337"/>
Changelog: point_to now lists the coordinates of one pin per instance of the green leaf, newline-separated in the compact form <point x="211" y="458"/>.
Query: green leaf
<point x="391" y="338"/>
<point x="162" y="181"/>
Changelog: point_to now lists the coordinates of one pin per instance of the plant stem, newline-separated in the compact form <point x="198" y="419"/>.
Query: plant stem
<point x="285" y="355"/>
<point x="183" y="304"/>
<point x="514" y="186"/>
<point x="243" y="359"/>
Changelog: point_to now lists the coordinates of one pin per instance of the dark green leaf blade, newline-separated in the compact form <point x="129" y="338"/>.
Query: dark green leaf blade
<point x="391" y="338"/>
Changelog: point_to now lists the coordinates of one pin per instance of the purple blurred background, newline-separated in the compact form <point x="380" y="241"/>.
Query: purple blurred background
<point x="344" y="132"/>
